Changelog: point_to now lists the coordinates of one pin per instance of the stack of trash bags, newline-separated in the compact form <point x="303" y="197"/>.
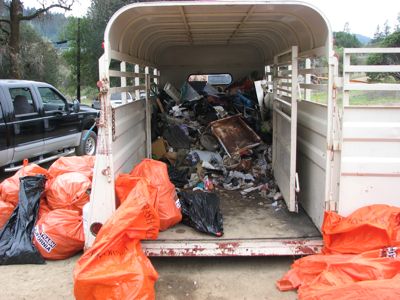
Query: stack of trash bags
<point x="115" y="267"/>
<point x="53" y="222"/>
<point x="360" y="260"/>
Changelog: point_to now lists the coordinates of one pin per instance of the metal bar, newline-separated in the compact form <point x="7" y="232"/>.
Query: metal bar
<point x="283" y="90"/>
<point x="292" y="201"/>
<point x="283" y="101"/>
<point x="371" y="50"/>
<point x="346" y="78"/>
<point x="313" y="70"/>
<point x="127" y="89"/>
<point x="148" y="115"/>
<point x="255" y="247"/>
<point x="371" y="87"/>
<point x="283" y="115"/>
<point x="318" y="87"/>
<point x="370" y="174"/>
<point x="115" y="73"/>
<point x="377" y="69"/>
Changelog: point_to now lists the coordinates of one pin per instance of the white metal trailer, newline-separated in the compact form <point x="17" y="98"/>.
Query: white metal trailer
<point x="331" y="156"/>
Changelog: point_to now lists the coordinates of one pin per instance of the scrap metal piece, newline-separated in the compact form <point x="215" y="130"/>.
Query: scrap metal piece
<point x="234" y="134"/>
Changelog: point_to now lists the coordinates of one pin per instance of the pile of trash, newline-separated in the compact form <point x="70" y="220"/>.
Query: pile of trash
<point x="213" y="141"/>
<point x="360" y="260"/>
<point x="41" y="211"/>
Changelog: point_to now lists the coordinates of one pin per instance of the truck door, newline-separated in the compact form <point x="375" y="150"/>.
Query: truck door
<point x="370" y="156"/>
<point x="6" y="151"/>
<point x="285" y="125"/>
<point x="26" y="126"/>
<point x="62" y="127"/>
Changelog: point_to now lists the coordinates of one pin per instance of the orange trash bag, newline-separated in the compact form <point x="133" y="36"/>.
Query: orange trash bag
<point x="80" y="164"/>
<point x="59" y="234"/>
<point x="337" y="276"/>
<point x="115" y="267"/>
<point x="6" y="210"/>
<point x="10" y="186"/>
<point x="126" y="182"/>
<point x="370" y="227"/>
<point x="68" y="191"/>
<point x="43" y="208"/>
<point x="168" y="204"/>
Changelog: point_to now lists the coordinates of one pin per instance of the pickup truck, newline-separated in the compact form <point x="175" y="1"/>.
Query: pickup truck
<point x="38" y="123"/>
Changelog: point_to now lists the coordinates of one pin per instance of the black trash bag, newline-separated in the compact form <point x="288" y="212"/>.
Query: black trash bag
<point x="200" y="210"/>
<point x="179" y="177"/>
<point x="176" y="137"/>
<point x="16" y="245"/>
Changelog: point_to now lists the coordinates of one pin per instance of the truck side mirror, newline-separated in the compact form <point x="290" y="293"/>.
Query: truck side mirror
<point x="76" y="106"/>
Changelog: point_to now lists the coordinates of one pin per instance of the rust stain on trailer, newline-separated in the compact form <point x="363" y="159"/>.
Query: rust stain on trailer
<point x="301" y="247"/>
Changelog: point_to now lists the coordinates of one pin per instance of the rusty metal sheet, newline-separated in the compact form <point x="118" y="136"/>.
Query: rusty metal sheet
<point x="263" y="247"/>
<point x="234" y="134"/>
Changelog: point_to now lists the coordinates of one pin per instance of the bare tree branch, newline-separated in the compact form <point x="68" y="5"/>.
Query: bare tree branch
<point x="5" y="21"/>
<point x="44" y="10"/>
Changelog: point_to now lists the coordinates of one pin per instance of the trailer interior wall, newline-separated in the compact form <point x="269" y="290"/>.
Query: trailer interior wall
<point x="177" y="39"/>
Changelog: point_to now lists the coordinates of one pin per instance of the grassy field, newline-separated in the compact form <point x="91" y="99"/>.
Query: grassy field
<point x="362" y="97"/>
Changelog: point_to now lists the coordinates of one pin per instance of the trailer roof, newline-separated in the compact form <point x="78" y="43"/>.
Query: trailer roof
<point x="144" y="30"/>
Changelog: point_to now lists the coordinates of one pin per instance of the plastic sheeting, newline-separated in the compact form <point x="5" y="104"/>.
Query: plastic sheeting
<point x="16" y="236"/>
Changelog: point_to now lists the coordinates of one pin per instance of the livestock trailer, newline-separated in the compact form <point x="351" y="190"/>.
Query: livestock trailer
<point x="327" y="154"/>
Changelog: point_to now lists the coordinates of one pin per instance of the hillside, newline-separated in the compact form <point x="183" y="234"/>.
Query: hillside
<point x="363" y="39"/>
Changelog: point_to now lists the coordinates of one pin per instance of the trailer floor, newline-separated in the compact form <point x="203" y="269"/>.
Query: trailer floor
<point x="252" y="226"/>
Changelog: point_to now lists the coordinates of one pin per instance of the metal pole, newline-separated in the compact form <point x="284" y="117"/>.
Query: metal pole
<point x="78" y="62"/>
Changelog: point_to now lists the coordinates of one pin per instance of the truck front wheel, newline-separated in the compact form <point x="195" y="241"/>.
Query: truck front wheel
<point x="88" y="143"/>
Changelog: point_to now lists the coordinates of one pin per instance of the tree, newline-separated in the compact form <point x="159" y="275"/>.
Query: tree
<point x="39" y="60"/>
<point x="346" y="27"/>
<point x="346" y="40"/>
<point x="392" y="40"/>
<point x="11" y="26"/>
<point x="386" y="28"/>
<point x="342" y="40"/>
<point x="92" y="35"/>
<point x="378" y="35"/>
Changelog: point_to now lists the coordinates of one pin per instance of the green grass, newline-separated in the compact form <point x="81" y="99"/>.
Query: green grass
<point x="362" y="97"/>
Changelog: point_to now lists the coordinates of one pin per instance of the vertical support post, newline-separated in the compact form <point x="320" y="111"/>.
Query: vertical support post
<point x="346" y="78"/>
<point x="274" y="121"/>
<point x="137" y="82"/>
<point x="148" y="116"/>
<point x="78" y="61"/>
<point x="307" y="92"/>
<point x="122" y="68"/>
<point x="293" y="129"/>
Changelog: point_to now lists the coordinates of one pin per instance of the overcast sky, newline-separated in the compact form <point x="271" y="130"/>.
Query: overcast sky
<point x="363" y="16"/>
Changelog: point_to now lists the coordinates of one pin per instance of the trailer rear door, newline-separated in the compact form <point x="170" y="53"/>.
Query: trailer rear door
<point x="285" y="125"/>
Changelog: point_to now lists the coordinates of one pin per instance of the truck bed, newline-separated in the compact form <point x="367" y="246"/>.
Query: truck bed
<point x="252" y="227"/>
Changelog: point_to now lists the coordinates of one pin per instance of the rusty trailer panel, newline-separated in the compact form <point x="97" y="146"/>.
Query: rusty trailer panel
<point x="267" y="247"/>
<point x="234" y="134"/>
